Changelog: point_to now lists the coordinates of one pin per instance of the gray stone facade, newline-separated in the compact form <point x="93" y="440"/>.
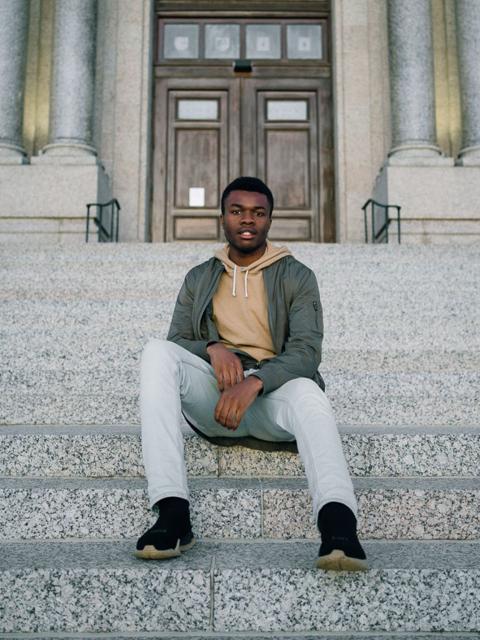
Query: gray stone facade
<point x="97" y="116"/>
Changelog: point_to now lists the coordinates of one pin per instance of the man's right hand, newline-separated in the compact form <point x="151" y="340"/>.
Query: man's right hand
<point x="226" y="365"/>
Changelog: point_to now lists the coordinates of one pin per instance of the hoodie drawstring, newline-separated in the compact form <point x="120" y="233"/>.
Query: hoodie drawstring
<point x="234" y="287"/>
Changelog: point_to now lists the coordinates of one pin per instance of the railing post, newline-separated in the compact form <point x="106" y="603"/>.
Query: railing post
<point x="104" y="234"/>
<point x="385" y="223"/>
<point x="88" y="222"/>
<point x="111" y="220"/>
<point x="117" y="211"/>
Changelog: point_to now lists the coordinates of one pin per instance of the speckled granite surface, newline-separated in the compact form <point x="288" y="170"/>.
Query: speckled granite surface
<point x="237" y="509"/>
<point x="116" y="451"/>
<point x="248" y="636"/>
<point x="400" y="340"/>
<point x="401" y="347"/>
<point x="365" y="398"/>
<point x="104" y="588"/>
<point x="94" y="586"/>
<point x="89" y="451"/>
<point x="407" y="590"/>
<point x="388" y="508"/>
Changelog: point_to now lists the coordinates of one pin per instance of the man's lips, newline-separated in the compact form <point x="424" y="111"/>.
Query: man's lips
<point x="247" y="233"/>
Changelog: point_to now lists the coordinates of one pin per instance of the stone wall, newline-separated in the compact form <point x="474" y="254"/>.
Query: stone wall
<point x="361" y="107"/>
<point x="122" y="122"/>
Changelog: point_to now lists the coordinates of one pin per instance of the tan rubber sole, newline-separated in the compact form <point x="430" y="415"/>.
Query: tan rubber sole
<point x="150" y="553"/>
<point x="336" y="560"/>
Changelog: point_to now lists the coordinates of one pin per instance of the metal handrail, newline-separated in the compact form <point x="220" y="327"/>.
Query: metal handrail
<point x="104" y="235"/>
<point x="383" y="229"/>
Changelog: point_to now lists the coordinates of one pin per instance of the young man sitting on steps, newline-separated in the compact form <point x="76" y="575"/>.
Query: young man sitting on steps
<point x="240" y="362"/>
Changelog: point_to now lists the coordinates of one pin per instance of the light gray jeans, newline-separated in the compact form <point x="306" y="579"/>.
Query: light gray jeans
<point x="174" y="380"/>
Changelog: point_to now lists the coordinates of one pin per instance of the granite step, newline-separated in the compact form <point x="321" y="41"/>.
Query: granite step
<point x="60" y="354"/>
<point x="88" y="342"/>
<point x="389" y="508"/>
<point x="171" y="635"/>
<point x="417" y="399"/>
<point x="410" y="298"/>
<point x="234" y="588"/>
<point x="401" y="345"/>
<point x="115" y="451"/>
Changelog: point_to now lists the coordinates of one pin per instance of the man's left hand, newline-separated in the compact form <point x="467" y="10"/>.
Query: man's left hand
<point x="235" y="400"/>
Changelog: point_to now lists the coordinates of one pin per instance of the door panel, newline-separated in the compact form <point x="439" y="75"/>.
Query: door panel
<point x="196" y="228"/>
<point x="196" y="155"/>
<point x="287" y="154"/>
<point x="197" y="164"/>
<point x="193" y="161"/>
<point x="291" y="229"/>
<point x="287" y="168"/>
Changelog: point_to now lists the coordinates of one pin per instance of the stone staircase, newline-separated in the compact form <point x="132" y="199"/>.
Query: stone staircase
<point x="401" y="364"/>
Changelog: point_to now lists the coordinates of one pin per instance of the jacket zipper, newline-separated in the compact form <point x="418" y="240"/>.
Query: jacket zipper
<point x="315" y="307"/>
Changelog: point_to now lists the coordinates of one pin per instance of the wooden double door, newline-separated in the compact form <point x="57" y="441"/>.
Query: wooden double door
<point x="208" y="131"/>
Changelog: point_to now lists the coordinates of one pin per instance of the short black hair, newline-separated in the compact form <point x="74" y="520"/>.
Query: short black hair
<point x="246" y="183"/>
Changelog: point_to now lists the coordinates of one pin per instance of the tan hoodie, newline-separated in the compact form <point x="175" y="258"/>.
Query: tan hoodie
<point x="240" y="309"/>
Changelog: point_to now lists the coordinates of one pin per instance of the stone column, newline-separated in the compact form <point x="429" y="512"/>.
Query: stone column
<point x="13" y="56"/>
<point x="468" y="42"/>
<point x="411" y="82"/>
<point x="73" y="82"/>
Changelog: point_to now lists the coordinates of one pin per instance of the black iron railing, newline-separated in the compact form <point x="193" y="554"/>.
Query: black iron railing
<point x="380" y="220"/>
<point x="106" y="220"/>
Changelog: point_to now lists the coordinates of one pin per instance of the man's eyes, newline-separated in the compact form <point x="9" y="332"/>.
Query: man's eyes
<point x="258" y="214"/>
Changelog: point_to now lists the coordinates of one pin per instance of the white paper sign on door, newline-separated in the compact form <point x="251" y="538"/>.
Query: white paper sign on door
<point x="196" y="197"/>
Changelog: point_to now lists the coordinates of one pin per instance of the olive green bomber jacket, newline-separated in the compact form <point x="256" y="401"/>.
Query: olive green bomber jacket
<point x="294" y="314"/>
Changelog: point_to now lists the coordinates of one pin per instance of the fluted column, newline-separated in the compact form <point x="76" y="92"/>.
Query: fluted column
<point x="73" y="84"/>
<point x="468" y="43"/>
<point x="411" y="81"/>
<point x="13" y="55"/>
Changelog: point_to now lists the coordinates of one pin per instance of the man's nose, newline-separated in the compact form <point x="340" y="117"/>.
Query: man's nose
<point x="247" y="217"/>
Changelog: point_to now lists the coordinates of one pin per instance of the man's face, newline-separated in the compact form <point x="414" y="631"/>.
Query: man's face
<point x="246" y="221"/>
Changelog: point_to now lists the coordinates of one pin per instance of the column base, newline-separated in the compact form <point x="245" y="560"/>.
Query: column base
<point x="418" y="154"/>
<point x="469" y="157"/>
<point x="12" y="154"/>
<point x="48" y="158"/>
<point x="77" y="153"/>
<point x="420" y="161"/>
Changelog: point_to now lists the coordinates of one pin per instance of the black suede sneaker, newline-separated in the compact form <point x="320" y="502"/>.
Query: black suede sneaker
<point x="340" y="549"/>
<point x="170" y="535"/>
